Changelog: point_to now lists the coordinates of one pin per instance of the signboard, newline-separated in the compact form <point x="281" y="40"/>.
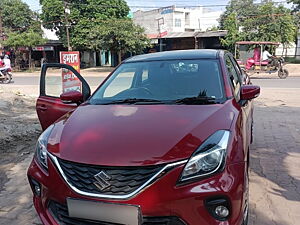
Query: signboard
<point x="167" y="10"/>
<point x="161" y="27"/>
<point x="69" y="81"/>
<point x="43" y="48"/>
<point x="162" y="31"/>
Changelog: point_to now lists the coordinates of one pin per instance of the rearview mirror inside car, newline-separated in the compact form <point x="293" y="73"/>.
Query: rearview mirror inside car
<point x="249" y="92"/>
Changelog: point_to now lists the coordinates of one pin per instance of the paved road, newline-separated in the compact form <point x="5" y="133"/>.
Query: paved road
<point x="34" y="80"/>
<point x="290" y="82"/>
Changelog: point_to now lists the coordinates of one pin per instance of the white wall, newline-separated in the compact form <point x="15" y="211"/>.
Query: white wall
<point x="198" y="19"/>
<point x="149" y="20"/>
<point x="298" y="46"/>
<point x="290" y="51"/>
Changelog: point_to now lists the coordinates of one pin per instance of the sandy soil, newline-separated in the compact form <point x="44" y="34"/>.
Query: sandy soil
<point x="19" y="129"/>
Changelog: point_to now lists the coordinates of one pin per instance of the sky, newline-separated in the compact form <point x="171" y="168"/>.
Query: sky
<point x="151" y="4"/>
<point x="34" y="4"/>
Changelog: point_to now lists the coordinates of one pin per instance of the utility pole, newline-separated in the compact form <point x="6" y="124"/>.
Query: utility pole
<point x="1" y="27"/>
<point x="160" y="22"/>
<point x="67" y="11"/>
<point x="1" y="32"/>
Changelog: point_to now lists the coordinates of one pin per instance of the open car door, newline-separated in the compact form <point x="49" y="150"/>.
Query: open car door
<point x="55" y="80"/>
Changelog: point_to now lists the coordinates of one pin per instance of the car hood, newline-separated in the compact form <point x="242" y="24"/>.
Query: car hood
<point x="135" y="135"/>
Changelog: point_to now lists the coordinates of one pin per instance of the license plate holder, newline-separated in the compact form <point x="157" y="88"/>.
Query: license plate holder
<point x="104" y="212"/>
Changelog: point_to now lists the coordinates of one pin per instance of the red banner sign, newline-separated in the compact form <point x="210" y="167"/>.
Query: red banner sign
<point x="69" y="81"/>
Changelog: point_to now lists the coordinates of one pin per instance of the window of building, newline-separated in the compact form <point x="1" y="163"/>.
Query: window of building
<point x="177" y="22"/>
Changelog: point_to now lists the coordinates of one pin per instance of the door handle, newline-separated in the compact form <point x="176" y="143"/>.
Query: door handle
<point x="42" y="107"/>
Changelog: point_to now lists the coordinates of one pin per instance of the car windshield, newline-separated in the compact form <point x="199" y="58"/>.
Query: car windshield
<point x="163" y="82"/>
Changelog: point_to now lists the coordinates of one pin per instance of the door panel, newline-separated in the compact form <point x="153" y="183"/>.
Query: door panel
<point x="246" y="107"/>
<point x="49" y="106"/>
<point x="50" y="109"/>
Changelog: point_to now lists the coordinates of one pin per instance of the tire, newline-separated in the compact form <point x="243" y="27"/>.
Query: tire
<point x="282" y="74"/>
<point x="7" y="79"/>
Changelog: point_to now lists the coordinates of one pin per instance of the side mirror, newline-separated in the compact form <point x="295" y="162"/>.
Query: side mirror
<point x="72" y="97"/>
<point x="249" y="92"/>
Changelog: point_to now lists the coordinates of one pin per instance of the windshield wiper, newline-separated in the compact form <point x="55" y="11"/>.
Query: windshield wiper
<point x="196" y="100"/>
<point x="134" y="101"/>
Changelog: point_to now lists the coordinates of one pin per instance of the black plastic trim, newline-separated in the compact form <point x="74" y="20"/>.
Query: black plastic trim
<point x="86" y="90"/>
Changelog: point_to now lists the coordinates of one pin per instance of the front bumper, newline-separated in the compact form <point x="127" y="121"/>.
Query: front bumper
<point x="162" y="201"/>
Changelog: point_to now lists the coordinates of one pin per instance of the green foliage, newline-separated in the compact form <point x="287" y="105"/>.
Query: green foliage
<point x="119" y="35"/>
<point x="16" y="15"/>
<point x="26" y="39"/>
<point x="241" y="8"/>
<point x="231" y="25"/>
<point x="296" y="3"/>
<point x="84" y="16"/>
<point x="265" y="22"/>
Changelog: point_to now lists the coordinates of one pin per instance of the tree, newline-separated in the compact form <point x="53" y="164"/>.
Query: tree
<point x="28" y="39"/>
<point x="119" y="36"/>
<point x="269" y="23"/>
<point x="83" y="17"/>
<point x="296" y="3"/>
<point x="296" y="9"/>
<point x="241" y="8"/>
<point x="16" y="15"/>
<point x="233" y="35"/>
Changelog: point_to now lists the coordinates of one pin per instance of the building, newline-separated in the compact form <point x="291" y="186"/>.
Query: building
<point x="161" y="21"/>
<point x="177" y="28"/>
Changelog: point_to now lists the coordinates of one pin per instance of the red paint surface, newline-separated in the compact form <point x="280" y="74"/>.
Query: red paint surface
<point x="163" y="198"/>
<point x="139" y="135"/>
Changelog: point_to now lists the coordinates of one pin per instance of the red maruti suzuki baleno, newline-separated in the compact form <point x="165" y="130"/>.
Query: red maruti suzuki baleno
<point x="164" y="140"/>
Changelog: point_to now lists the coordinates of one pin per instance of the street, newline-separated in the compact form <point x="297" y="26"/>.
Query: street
<point x="274" y="157"/>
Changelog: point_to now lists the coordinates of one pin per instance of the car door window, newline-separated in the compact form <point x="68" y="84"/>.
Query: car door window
<point x="60" y="80"/>
<point x="234" y="77"/>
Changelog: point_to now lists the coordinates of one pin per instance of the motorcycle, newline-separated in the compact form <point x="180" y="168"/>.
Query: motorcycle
<point x="5" y="76"/>
<point x="255" y="64"/>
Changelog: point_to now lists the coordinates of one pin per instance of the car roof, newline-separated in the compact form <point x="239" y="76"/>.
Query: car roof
<point x="176" y="55"/>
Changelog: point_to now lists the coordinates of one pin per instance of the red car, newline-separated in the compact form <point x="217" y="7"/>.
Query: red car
<point x="164" y="140"/>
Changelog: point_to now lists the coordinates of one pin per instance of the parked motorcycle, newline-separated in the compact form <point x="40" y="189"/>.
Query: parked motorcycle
<point x="5" y="76"/>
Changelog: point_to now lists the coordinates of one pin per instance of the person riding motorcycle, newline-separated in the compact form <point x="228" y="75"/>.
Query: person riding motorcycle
<point x="7" y="64"/>
<point x="267" y="57"/>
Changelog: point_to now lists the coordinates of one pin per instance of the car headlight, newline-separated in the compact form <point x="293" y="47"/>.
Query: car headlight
<point x="41" y="148"/>
<point x="209" y="158"/>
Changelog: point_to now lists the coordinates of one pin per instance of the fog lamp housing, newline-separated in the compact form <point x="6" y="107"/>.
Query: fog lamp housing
<point x="35" y="186"/>
<point x="218" y="207"/>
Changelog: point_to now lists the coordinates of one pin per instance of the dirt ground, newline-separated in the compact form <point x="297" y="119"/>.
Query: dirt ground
<point x="275" y="156"/>
<point x="19" y="130"/>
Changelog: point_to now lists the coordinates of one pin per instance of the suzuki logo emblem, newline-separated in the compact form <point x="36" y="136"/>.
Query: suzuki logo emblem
<point x="102" y="180"/>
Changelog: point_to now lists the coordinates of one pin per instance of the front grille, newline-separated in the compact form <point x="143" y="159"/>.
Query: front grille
<point x="122" y="180"/>
<point x="60" y="213"/>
